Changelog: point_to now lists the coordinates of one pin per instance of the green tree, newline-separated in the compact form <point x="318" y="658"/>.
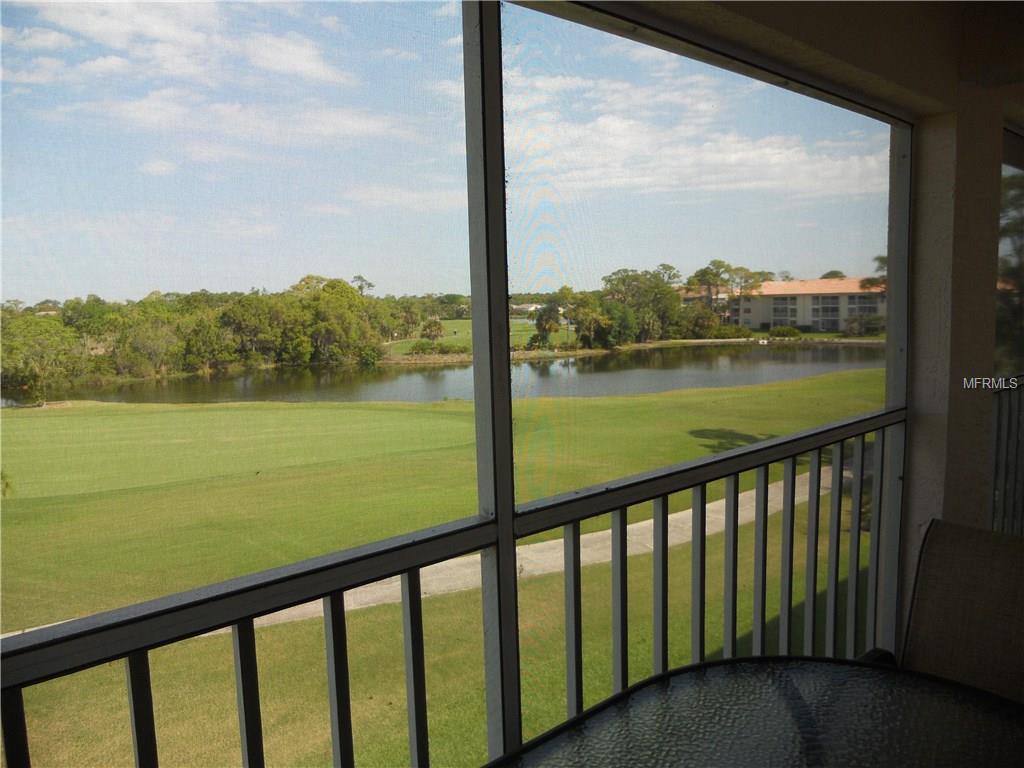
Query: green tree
<point x="699" y="321"/>
<point x="40" y="353"/>
<point x="743" y="282"/>
<point x="833" y="274"/>
<point x="250" y="320"/>
<point x="433" y="329"/>
<point x="408" y="315"/>
<point x="585" y="313"/>
<point x="548" y="320"/>
<point x="453" y="306"/>
<point x="146" y="346"/>
<point x="669" y="274"/>
<point x="650" y="296"/>
<point x="621" y="328"/>
<point x="294" y="321"/>
<point x="712" y="280"/>
<point x="362" y="285"/>
<point x="881" y="276"/>
<point x="206" y="345"/>
<point x="92" y="317"/>
<point x="340" y="328"/>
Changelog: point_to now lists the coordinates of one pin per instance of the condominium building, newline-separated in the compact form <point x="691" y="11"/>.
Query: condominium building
<point x="817" y="305"/>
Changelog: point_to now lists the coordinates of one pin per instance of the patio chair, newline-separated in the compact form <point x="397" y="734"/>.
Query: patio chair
<point x="967" y="613"/>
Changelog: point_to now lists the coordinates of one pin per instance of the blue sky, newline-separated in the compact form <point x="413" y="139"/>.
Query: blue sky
<point x="182" y="146"/>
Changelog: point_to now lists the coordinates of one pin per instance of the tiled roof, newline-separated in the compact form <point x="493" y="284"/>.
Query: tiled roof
<point x="815" y="287"/>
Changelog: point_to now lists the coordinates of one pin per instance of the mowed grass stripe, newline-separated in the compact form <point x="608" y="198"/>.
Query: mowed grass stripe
<point x="242" y="487"/>
<point x="94" y="446"/>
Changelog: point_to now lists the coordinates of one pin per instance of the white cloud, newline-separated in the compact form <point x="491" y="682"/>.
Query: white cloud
<point x="219" y="131"/>
<point x="409" y="197"/>
<point x="452" y="89"/>
<point x="104" y="65"/>
<point x="448" y="9"/>
<point x="587" y="136"/>
<point x="214" y="152"/>
<point x="244" y="227"/>
<point x="44" y="70"/>
<point x="454" y="42"/>
<point x="36" y="38"/>
<point x="330" y="209"/>
<point x="305" y="126"/>
<point x="162" y="109"/>
<point x="173" y="39"/>
<point x="173" y="60"/>
<point x="119" y="25"/>
<point x="158" y="168"/>
<point x="333" y="23"/>
<point x="660" y="63"/>
<point x="41" y="70"/>
<point x="292" y="54"/>
<point x="400" y="54"/>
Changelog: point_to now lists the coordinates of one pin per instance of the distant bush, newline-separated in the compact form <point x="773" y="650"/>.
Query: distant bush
<point x="446" y="348"/>
<point x="369" y="355"/>
<point x="698" y="321"/>
<point x="422" y="347"/>
<point x="784" y="332"/>
<point x="731" y="332"/>
<point x="427" y="347"/>
<point x="538" y="342"/>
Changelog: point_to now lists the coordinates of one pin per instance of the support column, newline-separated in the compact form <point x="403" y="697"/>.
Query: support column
<point x="955" y="236"/>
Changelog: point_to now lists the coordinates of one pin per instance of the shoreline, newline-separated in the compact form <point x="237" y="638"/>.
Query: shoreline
<point x="426" y="361"/>
<point x="555" y="354"/>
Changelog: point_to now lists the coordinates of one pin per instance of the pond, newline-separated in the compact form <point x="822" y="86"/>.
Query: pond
<point x="616" y="373"/>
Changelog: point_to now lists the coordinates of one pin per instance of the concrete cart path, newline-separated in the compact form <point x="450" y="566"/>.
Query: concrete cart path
<point x="463" y="573"/>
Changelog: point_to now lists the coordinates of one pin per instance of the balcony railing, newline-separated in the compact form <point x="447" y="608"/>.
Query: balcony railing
<point x="1008" y="475"/>
<point x="130" y="633"/>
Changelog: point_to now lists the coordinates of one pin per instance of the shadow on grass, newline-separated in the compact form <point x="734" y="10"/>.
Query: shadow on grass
<point x="721" y="440"/>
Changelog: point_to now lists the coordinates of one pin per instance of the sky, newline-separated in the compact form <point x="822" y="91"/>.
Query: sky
<point x="232" y="146"/>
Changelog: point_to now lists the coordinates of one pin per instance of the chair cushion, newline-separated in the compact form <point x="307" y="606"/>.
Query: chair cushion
<point x="967" y="615"/>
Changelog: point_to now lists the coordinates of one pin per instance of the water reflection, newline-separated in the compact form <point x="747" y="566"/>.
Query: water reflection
<point x="620" y="373"/>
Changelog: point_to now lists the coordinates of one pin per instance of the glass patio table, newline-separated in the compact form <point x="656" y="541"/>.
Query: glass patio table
<point x="788" y="711"/>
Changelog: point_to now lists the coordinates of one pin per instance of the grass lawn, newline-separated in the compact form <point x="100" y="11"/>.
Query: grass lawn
<point x="113" y="504"/>
<point x="82" y="720"/>
<point x="461" y="332"/>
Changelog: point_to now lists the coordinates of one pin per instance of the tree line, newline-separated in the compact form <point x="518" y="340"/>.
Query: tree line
<point x="333" y="322"/>
<point x="638" y="306"/>
<point x="317" y="321"/>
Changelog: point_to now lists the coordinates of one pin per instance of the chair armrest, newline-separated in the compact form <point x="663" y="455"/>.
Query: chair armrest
<point x="879" y="656"/>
